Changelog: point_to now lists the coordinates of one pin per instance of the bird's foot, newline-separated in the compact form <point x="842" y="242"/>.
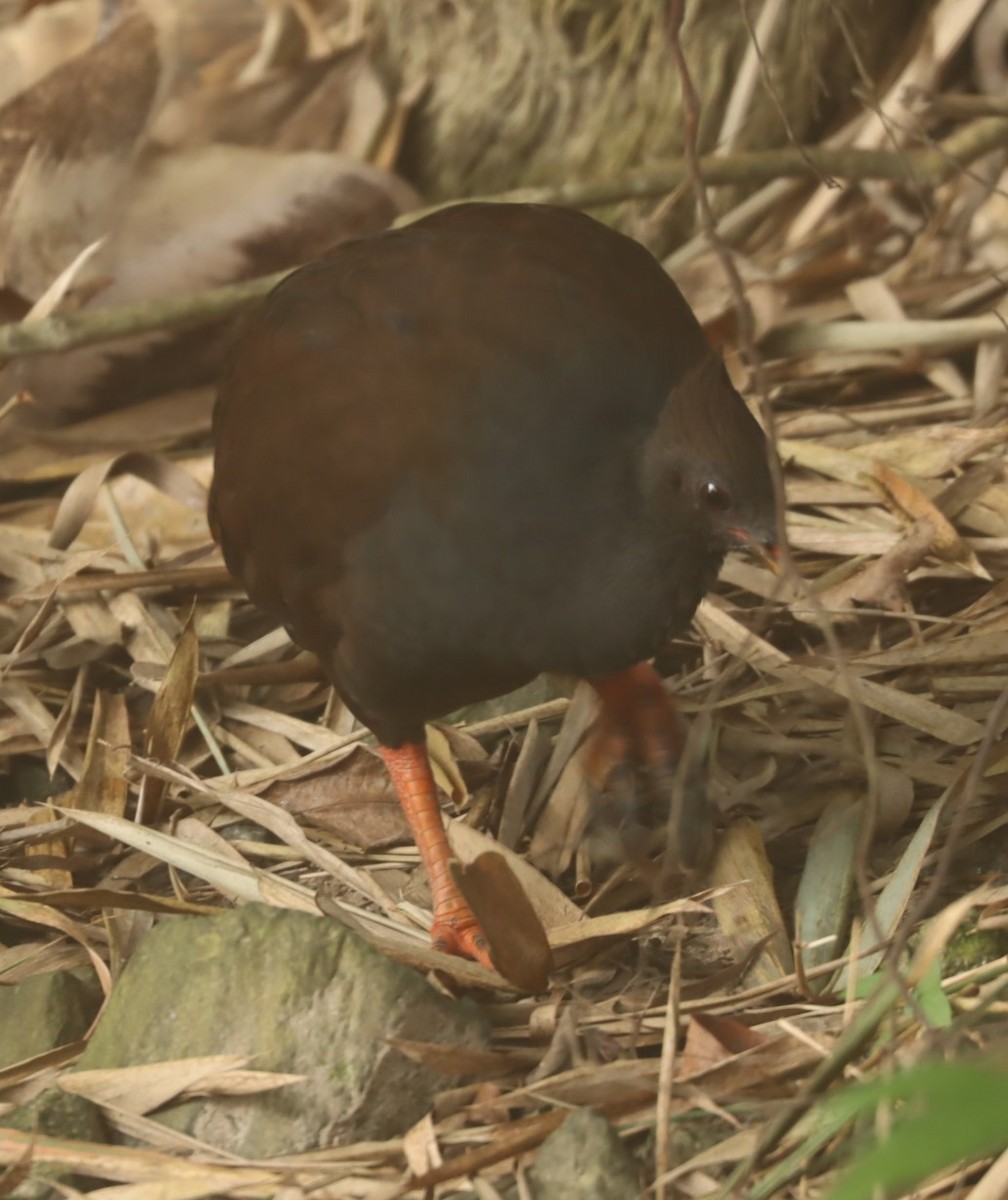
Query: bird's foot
<point x="637" y="759"/>
<point x="455" y="931"/>
<point x="462" y="936"/>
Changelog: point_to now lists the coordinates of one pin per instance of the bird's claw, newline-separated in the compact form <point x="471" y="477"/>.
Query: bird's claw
<point x="463" y="938"/>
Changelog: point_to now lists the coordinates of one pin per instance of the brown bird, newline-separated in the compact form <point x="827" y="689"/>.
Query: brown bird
<point x="490" y="444"/>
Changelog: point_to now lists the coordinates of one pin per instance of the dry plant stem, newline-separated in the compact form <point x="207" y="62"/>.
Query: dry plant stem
<point x="181" y="579"/>
<point x="666" y="1076"/>
<point x="691" y="120"/>
<point x="964" y="107"/>
<point x="64" y="331"/>
<point x="929" y="166"/>
<point x="884" y="119"/>
<point x="761" y="38"/>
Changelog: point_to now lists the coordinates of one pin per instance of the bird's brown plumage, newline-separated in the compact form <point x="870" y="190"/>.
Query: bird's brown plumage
<point x="490" y="444"/>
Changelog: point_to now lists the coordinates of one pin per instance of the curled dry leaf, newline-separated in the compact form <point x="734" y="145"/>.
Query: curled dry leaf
<point x="562" y="824"/>
<point x="530" y="762"/>
<point x="80" y="496"/>
<point x="908" y="499"/>
<point x="518" y="943"/>
<point x="444" y="766"/>
<point x="880" y="584"/>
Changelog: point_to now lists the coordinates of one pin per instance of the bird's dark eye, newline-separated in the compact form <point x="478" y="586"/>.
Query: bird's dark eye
<point x="714" y="497"/>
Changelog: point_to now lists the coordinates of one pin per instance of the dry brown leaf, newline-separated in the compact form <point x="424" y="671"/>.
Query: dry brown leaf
<point x="552" y="906"/>
<point x="283" y="826"/>
<point x="102" y="786"/>
<point x="420" y="1147"/>
<point x="40" y="914"/>
<point x="248" y="883"/>
<point x="518" y="943"/>
<point x="711" y="1039"/>
<point x="874" y="299"/>
<point x="169" y="1176"/>
<point x="355" y="801"/>
<point x="937" y="449"/>
<point x="583" y="932"/>
<point x="880" y="584"/>
<point x="459" y="1060"/>
<point x="64" y="724"/>
<point x="46" y="857"/>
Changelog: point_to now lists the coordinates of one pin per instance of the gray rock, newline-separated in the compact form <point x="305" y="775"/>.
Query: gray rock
<point x="584" y="1158"/>
<point x="55" y="1113"/>
<point x="42" y="1013"/>
<point x="298" y="994"/>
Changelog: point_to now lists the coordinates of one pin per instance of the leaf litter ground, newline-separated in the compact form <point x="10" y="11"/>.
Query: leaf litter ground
<point x="847" y="712"/>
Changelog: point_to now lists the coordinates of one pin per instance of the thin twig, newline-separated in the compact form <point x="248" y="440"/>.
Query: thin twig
<point x="666" y="1075"/>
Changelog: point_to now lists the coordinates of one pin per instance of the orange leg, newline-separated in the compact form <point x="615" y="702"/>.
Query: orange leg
<point x="640" y="728"/>
<point x="456" y="930"/>
<point x="636" y="705"/>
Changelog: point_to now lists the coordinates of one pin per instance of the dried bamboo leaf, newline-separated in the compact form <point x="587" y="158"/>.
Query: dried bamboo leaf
<point x="748" y="913"/>
<point x="170" y="717"/>
<point x="822" y="906"/>
<point x="895" y="896"/>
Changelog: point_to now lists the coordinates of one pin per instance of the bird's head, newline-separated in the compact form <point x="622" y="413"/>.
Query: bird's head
<point x="707" y="463"/>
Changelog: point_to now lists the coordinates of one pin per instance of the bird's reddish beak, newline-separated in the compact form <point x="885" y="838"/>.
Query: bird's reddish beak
<point x="765" y="552"/>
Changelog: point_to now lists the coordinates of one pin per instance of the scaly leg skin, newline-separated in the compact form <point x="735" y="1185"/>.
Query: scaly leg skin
<point x="456" y="930"/>
<point x="641" y="729"/>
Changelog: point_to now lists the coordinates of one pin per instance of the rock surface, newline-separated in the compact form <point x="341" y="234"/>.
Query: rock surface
<point x="297" y="994"/>
<point x="585" y="1157"/>
<point x="42" y="1013"/>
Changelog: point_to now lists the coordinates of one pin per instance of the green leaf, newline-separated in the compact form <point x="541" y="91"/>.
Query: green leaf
<point x="958" y="1113"/>
<point x="932" y="999"/>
